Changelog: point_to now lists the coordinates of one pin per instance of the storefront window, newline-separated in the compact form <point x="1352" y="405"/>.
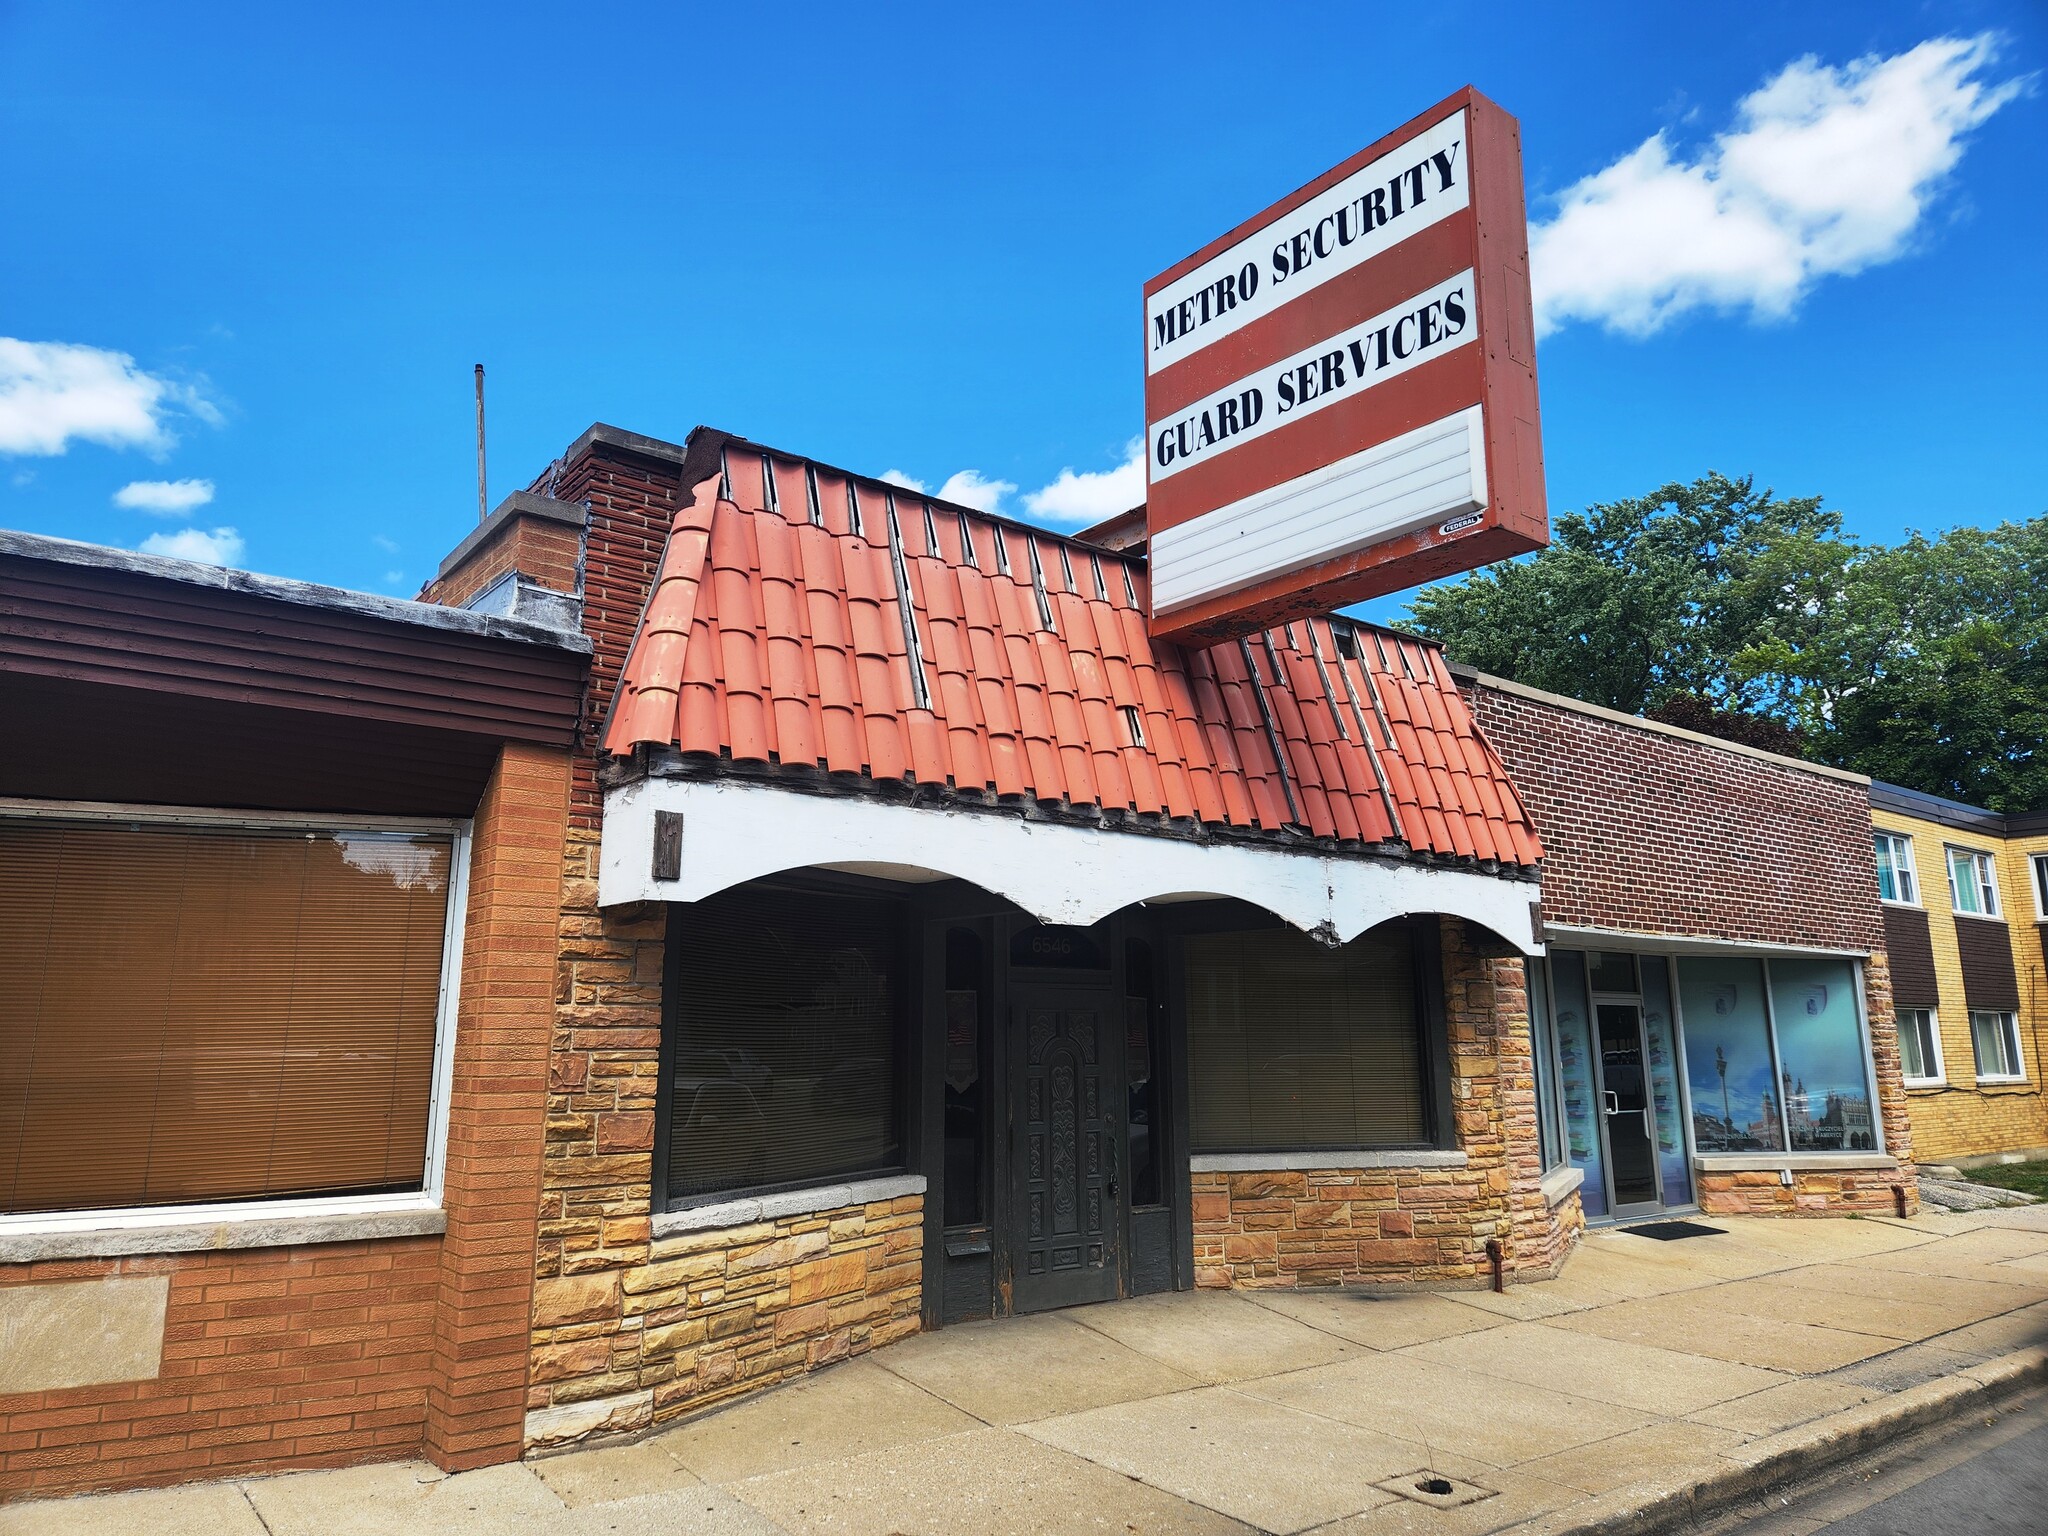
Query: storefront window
<point x="1575" y="1068"/>
<point x="1666" y="1103"/>
<point x="1735" y="1102"/>
<point x="1294" y="1045"/>
<point x="194" y="1014"/>
<point x="786" y="1041"/>
<point x="1820" y="1056"/>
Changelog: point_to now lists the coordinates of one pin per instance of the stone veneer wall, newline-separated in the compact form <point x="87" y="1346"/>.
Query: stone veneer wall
<point x="1344" y="1225"/>
<point x="1834" y="1192"/>
<point x="717" y="1313"/>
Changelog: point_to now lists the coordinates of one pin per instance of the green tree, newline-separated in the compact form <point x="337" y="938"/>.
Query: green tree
<point x="1923" y="663"/>
<point x="1932" y="668"/>
<point x="1638" y="601"/>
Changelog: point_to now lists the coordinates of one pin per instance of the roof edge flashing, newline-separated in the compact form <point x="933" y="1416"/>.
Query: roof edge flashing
<point x="286" y="590"/>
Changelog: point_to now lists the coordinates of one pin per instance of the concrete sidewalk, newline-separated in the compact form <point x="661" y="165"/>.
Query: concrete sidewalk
<point x="1653" y="1378"/>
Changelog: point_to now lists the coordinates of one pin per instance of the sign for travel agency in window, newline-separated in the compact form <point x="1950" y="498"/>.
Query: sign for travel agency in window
<point x="1340" y="394"/>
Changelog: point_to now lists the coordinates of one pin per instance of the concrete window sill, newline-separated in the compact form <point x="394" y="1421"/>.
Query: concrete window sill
<point x="1333" y="1159"/>
<point x="28" y="1240"/>
<point x="791" y="1202"/>
<point x="1798" y="1162"/>
<point x="1560" y="1182"/>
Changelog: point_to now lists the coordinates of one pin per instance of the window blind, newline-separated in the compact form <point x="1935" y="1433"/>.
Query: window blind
<point x="199" y="1014"/>
<point x="1293" y="1045"/>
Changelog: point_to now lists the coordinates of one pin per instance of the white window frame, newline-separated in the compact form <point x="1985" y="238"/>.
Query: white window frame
<point x="2009" y="1033"/>
<point x="1901" y="852"/>
<point x="1985" y="868"/>
<point x="2037" y="866"/>
<point x="1940" y="1073"/>
<point x="319" y="1211"/>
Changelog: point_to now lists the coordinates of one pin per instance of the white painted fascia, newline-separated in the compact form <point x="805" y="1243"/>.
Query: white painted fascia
<point x="1633" y="941"/>
<point x="735" y="832"/>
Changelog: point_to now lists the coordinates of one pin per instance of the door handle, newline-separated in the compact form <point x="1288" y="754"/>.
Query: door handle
<point x="1613" y="1105"/>
<point x="1109" y="1147"/>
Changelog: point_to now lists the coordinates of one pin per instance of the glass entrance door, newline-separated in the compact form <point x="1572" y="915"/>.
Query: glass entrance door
<point x="1625" y="1111"/>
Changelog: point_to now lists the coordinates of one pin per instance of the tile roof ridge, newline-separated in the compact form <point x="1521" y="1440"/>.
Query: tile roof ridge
<point x="731" y="441"/>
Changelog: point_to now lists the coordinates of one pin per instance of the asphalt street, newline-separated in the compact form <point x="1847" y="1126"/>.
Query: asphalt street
<point x="1988" y="1477"/>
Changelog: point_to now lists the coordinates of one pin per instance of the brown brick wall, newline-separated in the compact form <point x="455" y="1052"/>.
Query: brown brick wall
<point x="312" y="1356"/>
<point x="1346" y="1225"/>
<point x="1657" y="834"/>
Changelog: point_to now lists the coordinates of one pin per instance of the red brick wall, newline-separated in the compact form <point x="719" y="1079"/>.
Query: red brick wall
<point x="1657" y="834"/>
<point x="496" y="1120"/>
<point x="312" y="1356"/>
<point x="632" y="503"/>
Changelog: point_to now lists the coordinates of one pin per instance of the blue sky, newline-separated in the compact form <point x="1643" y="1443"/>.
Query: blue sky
<point x="255" y="250"/>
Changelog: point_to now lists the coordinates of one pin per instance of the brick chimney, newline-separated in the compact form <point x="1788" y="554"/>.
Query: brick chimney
<point x="524" y="561"/>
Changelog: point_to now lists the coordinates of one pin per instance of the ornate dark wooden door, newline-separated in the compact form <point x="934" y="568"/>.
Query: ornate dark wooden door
<point x="1067" y="1093"/>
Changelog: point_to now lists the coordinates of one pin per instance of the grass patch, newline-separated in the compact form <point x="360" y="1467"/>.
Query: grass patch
<point x="2028" y="1178"/>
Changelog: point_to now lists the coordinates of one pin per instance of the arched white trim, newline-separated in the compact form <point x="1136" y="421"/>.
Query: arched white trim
<point x="735" y="832"/>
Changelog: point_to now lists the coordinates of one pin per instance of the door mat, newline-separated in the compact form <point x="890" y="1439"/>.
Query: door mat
<point x="1671" y="1231"/>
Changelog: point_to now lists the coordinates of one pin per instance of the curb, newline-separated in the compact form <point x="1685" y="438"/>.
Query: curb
<point x="1792" y="1455"/>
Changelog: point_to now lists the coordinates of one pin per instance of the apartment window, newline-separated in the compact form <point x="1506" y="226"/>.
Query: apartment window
<point x="1996" y="1039"/>
<point x="1972" y="882"/>
<point x="786" y="1042"/>
<point x="199" y="1012"/>
<point x="2040" y="865"/>
<point x="1919" y="1047"/>
<point x="1296" y="1046"/>
<point x="1895" y="868"/>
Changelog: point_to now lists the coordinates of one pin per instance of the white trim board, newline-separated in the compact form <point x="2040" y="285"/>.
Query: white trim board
<point x="734" y="832"/>
<point x="1623" y="940"/>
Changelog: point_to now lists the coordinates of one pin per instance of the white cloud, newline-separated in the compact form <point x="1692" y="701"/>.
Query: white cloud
<point x="1826" y="171"/>
<point x="394" y="578"/>
<point x="970" y="488"/>
<point x="388" y="545"/>
<point x="52" y="392"/>
<point x="221" y="546"/>
<point x="1092" y="496"/>
<point x="1082" y="498"/>
<point x="164" y="498"/>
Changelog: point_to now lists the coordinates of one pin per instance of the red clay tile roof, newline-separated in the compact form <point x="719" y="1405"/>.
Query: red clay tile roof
<point x="775" y="634"/>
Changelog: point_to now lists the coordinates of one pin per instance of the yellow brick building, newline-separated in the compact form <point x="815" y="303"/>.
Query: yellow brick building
<point x="1965" y="899"/>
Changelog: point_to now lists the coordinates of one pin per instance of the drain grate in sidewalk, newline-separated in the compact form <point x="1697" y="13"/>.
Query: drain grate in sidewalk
<point x="1672" y="1231"/>
<point x="1434" y="1489"/>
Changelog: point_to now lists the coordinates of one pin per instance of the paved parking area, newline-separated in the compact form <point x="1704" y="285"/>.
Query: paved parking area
<point x="1648" y="1364"/>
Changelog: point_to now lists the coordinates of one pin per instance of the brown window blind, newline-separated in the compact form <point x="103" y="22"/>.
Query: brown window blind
<point x="1294" y="1046"/>
<point x="199" y="1014"/>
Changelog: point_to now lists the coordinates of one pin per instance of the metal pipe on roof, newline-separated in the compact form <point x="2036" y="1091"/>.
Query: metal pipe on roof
<point x="483" y="501"/>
